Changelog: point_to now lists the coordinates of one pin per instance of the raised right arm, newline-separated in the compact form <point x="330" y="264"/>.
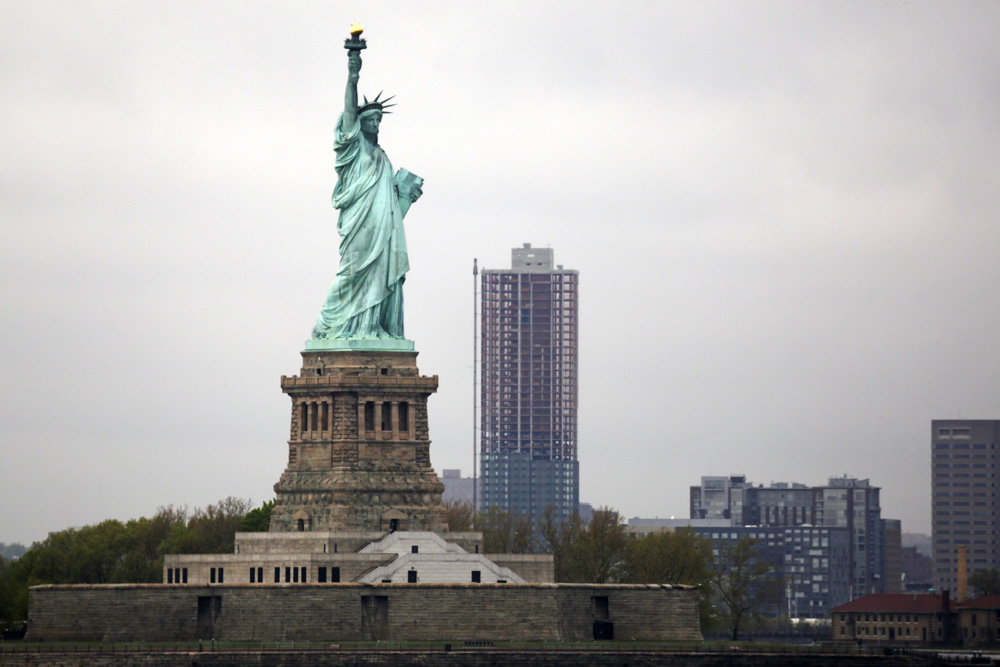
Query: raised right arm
<point x="351" y="95"/>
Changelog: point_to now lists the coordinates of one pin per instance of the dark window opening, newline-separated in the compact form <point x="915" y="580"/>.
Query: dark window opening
<point x="370" y="416"/>
<point x="302" y="525"/>
<point x="384" y="371"/>
<point x="288" y="575"/>
<point x="477" y="576"/>
<point x="411" y="577"/>
<point x="222" y="576"/>
<point x="334" y="575"/>
<point x="277" y="575"/>
<point x="209" y="608"/>
<point x="303" y="415"/>
<point x="295" y="575"/>
<point x="184" y="576"/>
<point x="304" y="571"/>
<point x="260" y="575"/>
<point x="211" y="576"/>
<point x="404" y="417"/>
<point x="393" y="525"/>
<point x="386" y="417"/>
<point x="315" y="417"/>
<point x="416" y="549"/>
<point x="321" y="575"/>
<point x="501" y="581"/>
<point x="253" y="575"/>
<point x="170" y="575"/>
<point x="601" y="610"/>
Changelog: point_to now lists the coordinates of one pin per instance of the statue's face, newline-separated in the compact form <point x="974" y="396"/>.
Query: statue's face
<point x="369" y="124"/>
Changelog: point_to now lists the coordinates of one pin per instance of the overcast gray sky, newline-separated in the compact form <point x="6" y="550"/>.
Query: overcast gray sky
<point x="784" y="216"/>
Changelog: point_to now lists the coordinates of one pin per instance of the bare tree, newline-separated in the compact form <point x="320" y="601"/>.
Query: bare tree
<point x="744" y="584"/>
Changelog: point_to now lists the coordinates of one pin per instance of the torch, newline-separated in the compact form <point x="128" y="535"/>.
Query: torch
<point x="354" y="42"/>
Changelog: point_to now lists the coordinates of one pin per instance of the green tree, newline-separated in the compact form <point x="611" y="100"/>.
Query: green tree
<point x="258" y="520"/>
<point x="594" y="554"/>
<point x="673" y="557"/>
<point x="210" y="530"/>
<point x="505" y="533"/>
<point x="985" y="582"/>
<point x="461" y="516"/>
<point x="557" y="537"/>
<point x="744" y="584"/>
<point x="113" y="552"/>
<point x="7" y="594"/>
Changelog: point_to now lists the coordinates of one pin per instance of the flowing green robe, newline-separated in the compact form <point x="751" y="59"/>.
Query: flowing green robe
<point x="366" y="297"/>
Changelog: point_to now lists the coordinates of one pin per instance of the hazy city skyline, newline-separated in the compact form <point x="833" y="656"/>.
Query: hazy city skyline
<point x="784" y="216"/>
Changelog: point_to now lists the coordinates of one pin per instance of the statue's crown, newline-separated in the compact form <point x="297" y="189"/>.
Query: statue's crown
<point x="376" y="104"/>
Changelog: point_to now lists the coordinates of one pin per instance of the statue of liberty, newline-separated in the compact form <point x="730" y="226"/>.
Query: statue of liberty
<point x="365" y="300"/>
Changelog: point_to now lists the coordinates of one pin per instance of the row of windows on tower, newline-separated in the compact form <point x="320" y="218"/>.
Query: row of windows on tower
<point x="383" y="412"/>
<point x="315" y="416"/>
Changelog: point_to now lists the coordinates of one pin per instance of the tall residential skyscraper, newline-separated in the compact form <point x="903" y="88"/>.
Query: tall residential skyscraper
<point x="964" y="467"/>
<point x="529" y="334"/>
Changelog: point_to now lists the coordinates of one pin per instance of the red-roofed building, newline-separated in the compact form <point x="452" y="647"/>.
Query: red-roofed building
<point x="979" y="620"/>
<point x="897" y="618"/>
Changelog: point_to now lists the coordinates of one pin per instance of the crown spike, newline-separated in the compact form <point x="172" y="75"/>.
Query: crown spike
<point x="376" y="104"/>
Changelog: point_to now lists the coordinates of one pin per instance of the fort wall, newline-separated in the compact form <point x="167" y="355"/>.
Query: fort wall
<point x="359" y="612"/>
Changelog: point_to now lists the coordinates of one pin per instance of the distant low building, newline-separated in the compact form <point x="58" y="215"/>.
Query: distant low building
<point x="979" y="621"/>
<point x="921" y="541"/>
<point x="916" y="568"/>
<point x="908" y="619"/>
<point x="457" y="489"/>
<point x="895" y="618"/>
<point x="640" y="527"/>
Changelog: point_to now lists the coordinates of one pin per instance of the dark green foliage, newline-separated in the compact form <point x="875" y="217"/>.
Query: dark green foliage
<point x="460" y="515"/>
<point x="673" y="557"/>
<point x="594" y="553"/>
<point x="559" y="538"/>
<point x="668" y="557"/>
<point x="985" y="582"/>
<point x="744" y="585"/>
<point x="210" y="530"/>
<point x="10" y="596"/>
<point x="505" y="533"/>
<point x="258" y="520"/>
<point x="116" y="552"/>
<point x="585" y="553"/>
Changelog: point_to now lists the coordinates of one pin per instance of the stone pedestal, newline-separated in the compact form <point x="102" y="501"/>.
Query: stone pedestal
<point x="359" y="451"/>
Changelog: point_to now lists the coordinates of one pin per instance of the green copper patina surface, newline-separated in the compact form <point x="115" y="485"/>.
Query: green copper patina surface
<point x="364" y="306"/>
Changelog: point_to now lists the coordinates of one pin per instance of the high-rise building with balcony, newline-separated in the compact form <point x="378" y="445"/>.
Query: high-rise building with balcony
<point x="528" y="395"/>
